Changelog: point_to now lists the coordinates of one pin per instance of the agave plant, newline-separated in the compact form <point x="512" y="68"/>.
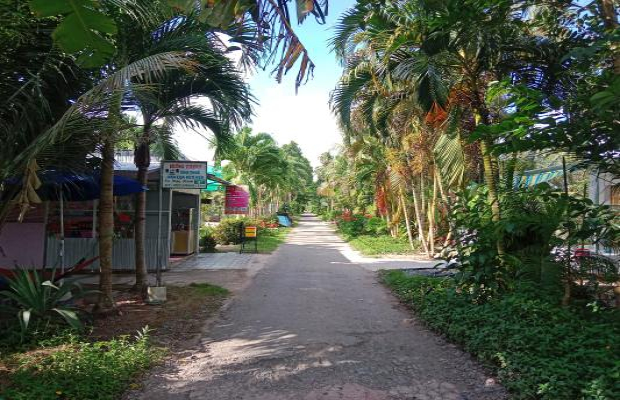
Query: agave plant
<point x="34" y="298"/>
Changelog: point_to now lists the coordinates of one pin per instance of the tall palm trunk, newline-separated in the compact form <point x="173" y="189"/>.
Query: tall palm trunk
<point x="431" y="217"/>
<point x="106" y="225"/>
<point x="422" y="196"/>
<point x="396" y="215"/>
<point x="419" y="219"/>
<point x="407" y="222"/>
<point x="446" y="202"/>
<point x="106" y="206"/>
<point x="388" y="216"/>
<point x="490" y="173"/>
<point x="142" y="159"/>
<point x="491" y="181"/>
<point x="259" y="203"/>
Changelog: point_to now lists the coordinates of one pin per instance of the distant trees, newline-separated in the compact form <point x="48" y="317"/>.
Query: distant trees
<point x="275" y="175"/>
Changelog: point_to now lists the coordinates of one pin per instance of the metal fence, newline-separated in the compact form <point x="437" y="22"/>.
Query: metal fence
<point x="123" y="253"/>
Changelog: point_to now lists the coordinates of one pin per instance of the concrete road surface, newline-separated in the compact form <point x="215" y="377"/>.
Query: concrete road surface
<point x="312" y="325"/>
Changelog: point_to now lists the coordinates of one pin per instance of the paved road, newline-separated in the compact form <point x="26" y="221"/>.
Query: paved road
<point x="312" y="326"/>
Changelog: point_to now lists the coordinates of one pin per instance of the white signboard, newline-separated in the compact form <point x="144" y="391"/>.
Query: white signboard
<point x="184" y="174"/>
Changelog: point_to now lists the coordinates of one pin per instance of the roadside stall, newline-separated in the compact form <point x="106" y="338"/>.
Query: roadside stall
<point x="61" y="229"/>
<point x="172" y="213"/>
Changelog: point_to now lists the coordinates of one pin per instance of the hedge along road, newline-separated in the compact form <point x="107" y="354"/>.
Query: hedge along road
<point x="313" y="325"/>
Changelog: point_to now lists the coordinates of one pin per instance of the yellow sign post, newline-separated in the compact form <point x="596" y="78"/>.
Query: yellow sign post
<point x="249" y="234"/>
<point x="250" y="231"/>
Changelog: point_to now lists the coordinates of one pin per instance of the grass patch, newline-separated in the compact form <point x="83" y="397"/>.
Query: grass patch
<point x="270" y="239"/>
<point x="538" y="349"/>
<point x="102" y="364"/>
<point x="381" y="245"/>
<point x="78" y="369"/>
<point x="206" y="289"/>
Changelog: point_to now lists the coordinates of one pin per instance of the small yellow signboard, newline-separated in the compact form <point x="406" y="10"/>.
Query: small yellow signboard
<point x="250" y="231"/>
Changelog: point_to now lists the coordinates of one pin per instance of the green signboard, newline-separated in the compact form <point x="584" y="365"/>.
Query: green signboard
<point x="213" y="186"/>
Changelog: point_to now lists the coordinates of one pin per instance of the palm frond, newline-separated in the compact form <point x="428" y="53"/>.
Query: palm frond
<point x="164" y="145"/>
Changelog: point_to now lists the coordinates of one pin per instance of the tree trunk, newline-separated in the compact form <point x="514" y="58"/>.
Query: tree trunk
<point x="419" y="219"/>
<point x="106" y="226"/>
<point x="490" y="172"/>
<point x="388" y="217"/>
<point x="422" y="196"/>
<point x="489" y="177"/>
<point x="431" y="217"/>
<point x="396" y="215"/>
<point x="568" y="278"/>
<point x="142" y="159"/>
<point x="446" y="201"/>
<point x="106" y="207"/>
<point x="407" y="222"/>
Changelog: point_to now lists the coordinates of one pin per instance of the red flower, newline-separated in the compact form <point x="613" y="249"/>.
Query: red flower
<point x="124" y="218"/>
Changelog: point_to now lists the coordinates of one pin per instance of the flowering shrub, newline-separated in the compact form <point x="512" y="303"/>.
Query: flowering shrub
<point x="268" y="222"/>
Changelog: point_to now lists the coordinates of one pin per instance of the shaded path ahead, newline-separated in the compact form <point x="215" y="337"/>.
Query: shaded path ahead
<point x="314" y="326"/>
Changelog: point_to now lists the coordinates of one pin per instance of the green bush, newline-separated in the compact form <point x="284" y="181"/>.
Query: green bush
<point x="539" y="349"/>
<point x="100" y="370"/>
<point x="330" y="215"/>
<point x="535" y="220"/>
<point x="228" y="230"/>
<point x="351" y="228"/>
<point x="207" y="239"/>
<point x="353" y="225"/>
<point x="267" y="220"/>
<point x="375" y="226"/>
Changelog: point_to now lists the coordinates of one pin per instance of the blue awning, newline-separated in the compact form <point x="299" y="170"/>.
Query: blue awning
<point x="76" y="187"/>
<point x="535" y="176"/>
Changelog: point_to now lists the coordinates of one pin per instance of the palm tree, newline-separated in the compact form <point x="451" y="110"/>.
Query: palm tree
<point x="131" y="72"/>
<point x="274" y="32"/>
<point x="371" y="100"/>
<point x="418" y="61"/>
<point x="173" y="101"/>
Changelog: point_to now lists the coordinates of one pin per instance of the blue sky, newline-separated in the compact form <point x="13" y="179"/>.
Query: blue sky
<point x="305" y="117"/>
